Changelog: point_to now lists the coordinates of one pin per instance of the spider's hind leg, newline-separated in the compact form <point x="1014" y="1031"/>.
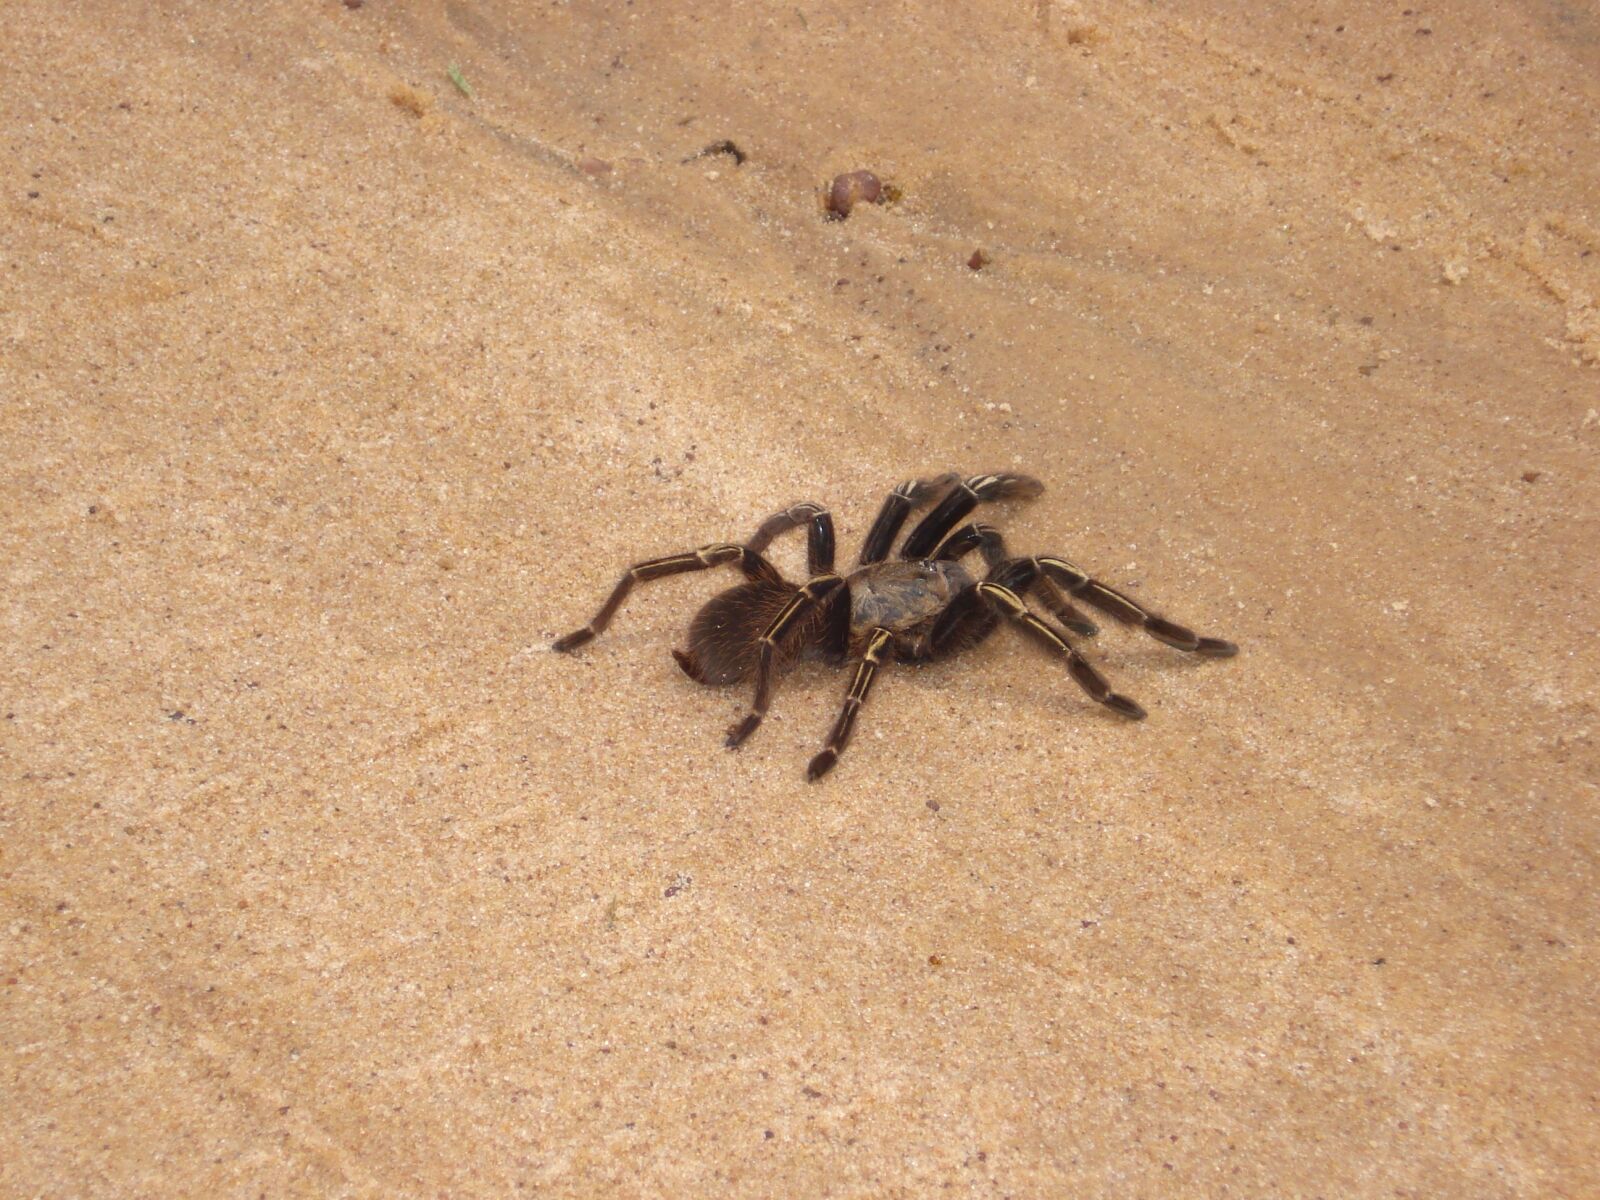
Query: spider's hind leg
<point x="725" y="635"/>
<point x="792" y="617"/>
<point x="717" y="554"/>
<point x="819" y="534"/>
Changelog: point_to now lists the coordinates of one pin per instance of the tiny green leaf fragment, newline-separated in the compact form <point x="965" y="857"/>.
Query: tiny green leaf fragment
<point x="460" y="80"/>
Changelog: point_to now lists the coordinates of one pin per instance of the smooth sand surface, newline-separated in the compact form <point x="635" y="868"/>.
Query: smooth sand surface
<point x="331" y="394"/>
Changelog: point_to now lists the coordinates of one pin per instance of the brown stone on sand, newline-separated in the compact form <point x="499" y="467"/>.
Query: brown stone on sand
<point x="852" y="188"/>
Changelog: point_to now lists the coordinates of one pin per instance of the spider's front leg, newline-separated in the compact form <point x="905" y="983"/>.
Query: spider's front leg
<point x="715" y="555"/>
<point x="987" y="539"/>
<point x="1107" y="599"/>
<point x="897" y="506"/>
<point x="1002" y="600"/>
<point x="795" y="611"/>
<point x="961" y="499"/>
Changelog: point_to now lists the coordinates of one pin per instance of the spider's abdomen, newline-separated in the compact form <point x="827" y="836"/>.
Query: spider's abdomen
<point x="725" y="635"/>
<point x="900" y="596"/>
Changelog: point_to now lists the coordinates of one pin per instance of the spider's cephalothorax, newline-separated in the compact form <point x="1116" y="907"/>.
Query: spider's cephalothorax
<point x="922" y="606"/>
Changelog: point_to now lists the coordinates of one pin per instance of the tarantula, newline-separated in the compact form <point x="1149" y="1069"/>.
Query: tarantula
<point x="926" y="606"/>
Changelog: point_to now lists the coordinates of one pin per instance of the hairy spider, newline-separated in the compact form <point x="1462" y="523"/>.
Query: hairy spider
<point x="926" y="606"/>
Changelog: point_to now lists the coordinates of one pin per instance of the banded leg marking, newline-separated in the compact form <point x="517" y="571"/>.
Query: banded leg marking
<point x="819" y="534"/>
<point x="1010" y="605"/>
<point x="799" y="604"/>
<point x="969" y="619"/>
<point x="1063" y="609"/>
<point x="859" y="687"/>
<point x="1080" y="583"/>
<point x="957" y="503"/>
<point x="899" y="504"/>
<point x="986" y="538"/>
<point x="714" y="555"/>
<point x="972" y="537"/>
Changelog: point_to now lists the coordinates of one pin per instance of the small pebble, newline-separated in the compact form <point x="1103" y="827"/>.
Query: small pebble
<point x="722" y="147"/>
<point x="852" y="188"/>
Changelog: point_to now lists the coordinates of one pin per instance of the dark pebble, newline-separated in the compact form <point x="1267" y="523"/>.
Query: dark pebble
<point x="850" y="189"/>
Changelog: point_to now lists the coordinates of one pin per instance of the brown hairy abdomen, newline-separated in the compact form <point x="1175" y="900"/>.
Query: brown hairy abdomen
<point x="725" y="635"/>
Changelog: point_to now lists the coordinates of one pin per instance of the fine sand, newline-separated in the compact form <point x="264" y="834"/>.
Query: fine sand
<point x="332" y="388"/>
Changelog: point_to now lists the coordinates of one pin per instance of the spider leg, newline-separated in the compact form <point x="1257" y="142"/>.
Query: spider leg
<point x="986" y="538"/>
<point x="798" y="607"/>
<point x="1009" y="605"/>
<point x="715" y="555"/>
<point x="819" y="534"/>
<point x="957" y="503"/>
<point x="969" y="538"/>
<point x="1091" y="591"/>
<point x="912" y="494"/>
<point x="965" y="622"/>
<point x="1063" y="609"/>
<point x="877" y="645"/>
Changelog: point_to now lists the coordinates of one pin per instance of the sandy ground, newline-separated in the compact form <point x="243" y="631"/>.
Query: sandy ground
<point x="332" y="393"/>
